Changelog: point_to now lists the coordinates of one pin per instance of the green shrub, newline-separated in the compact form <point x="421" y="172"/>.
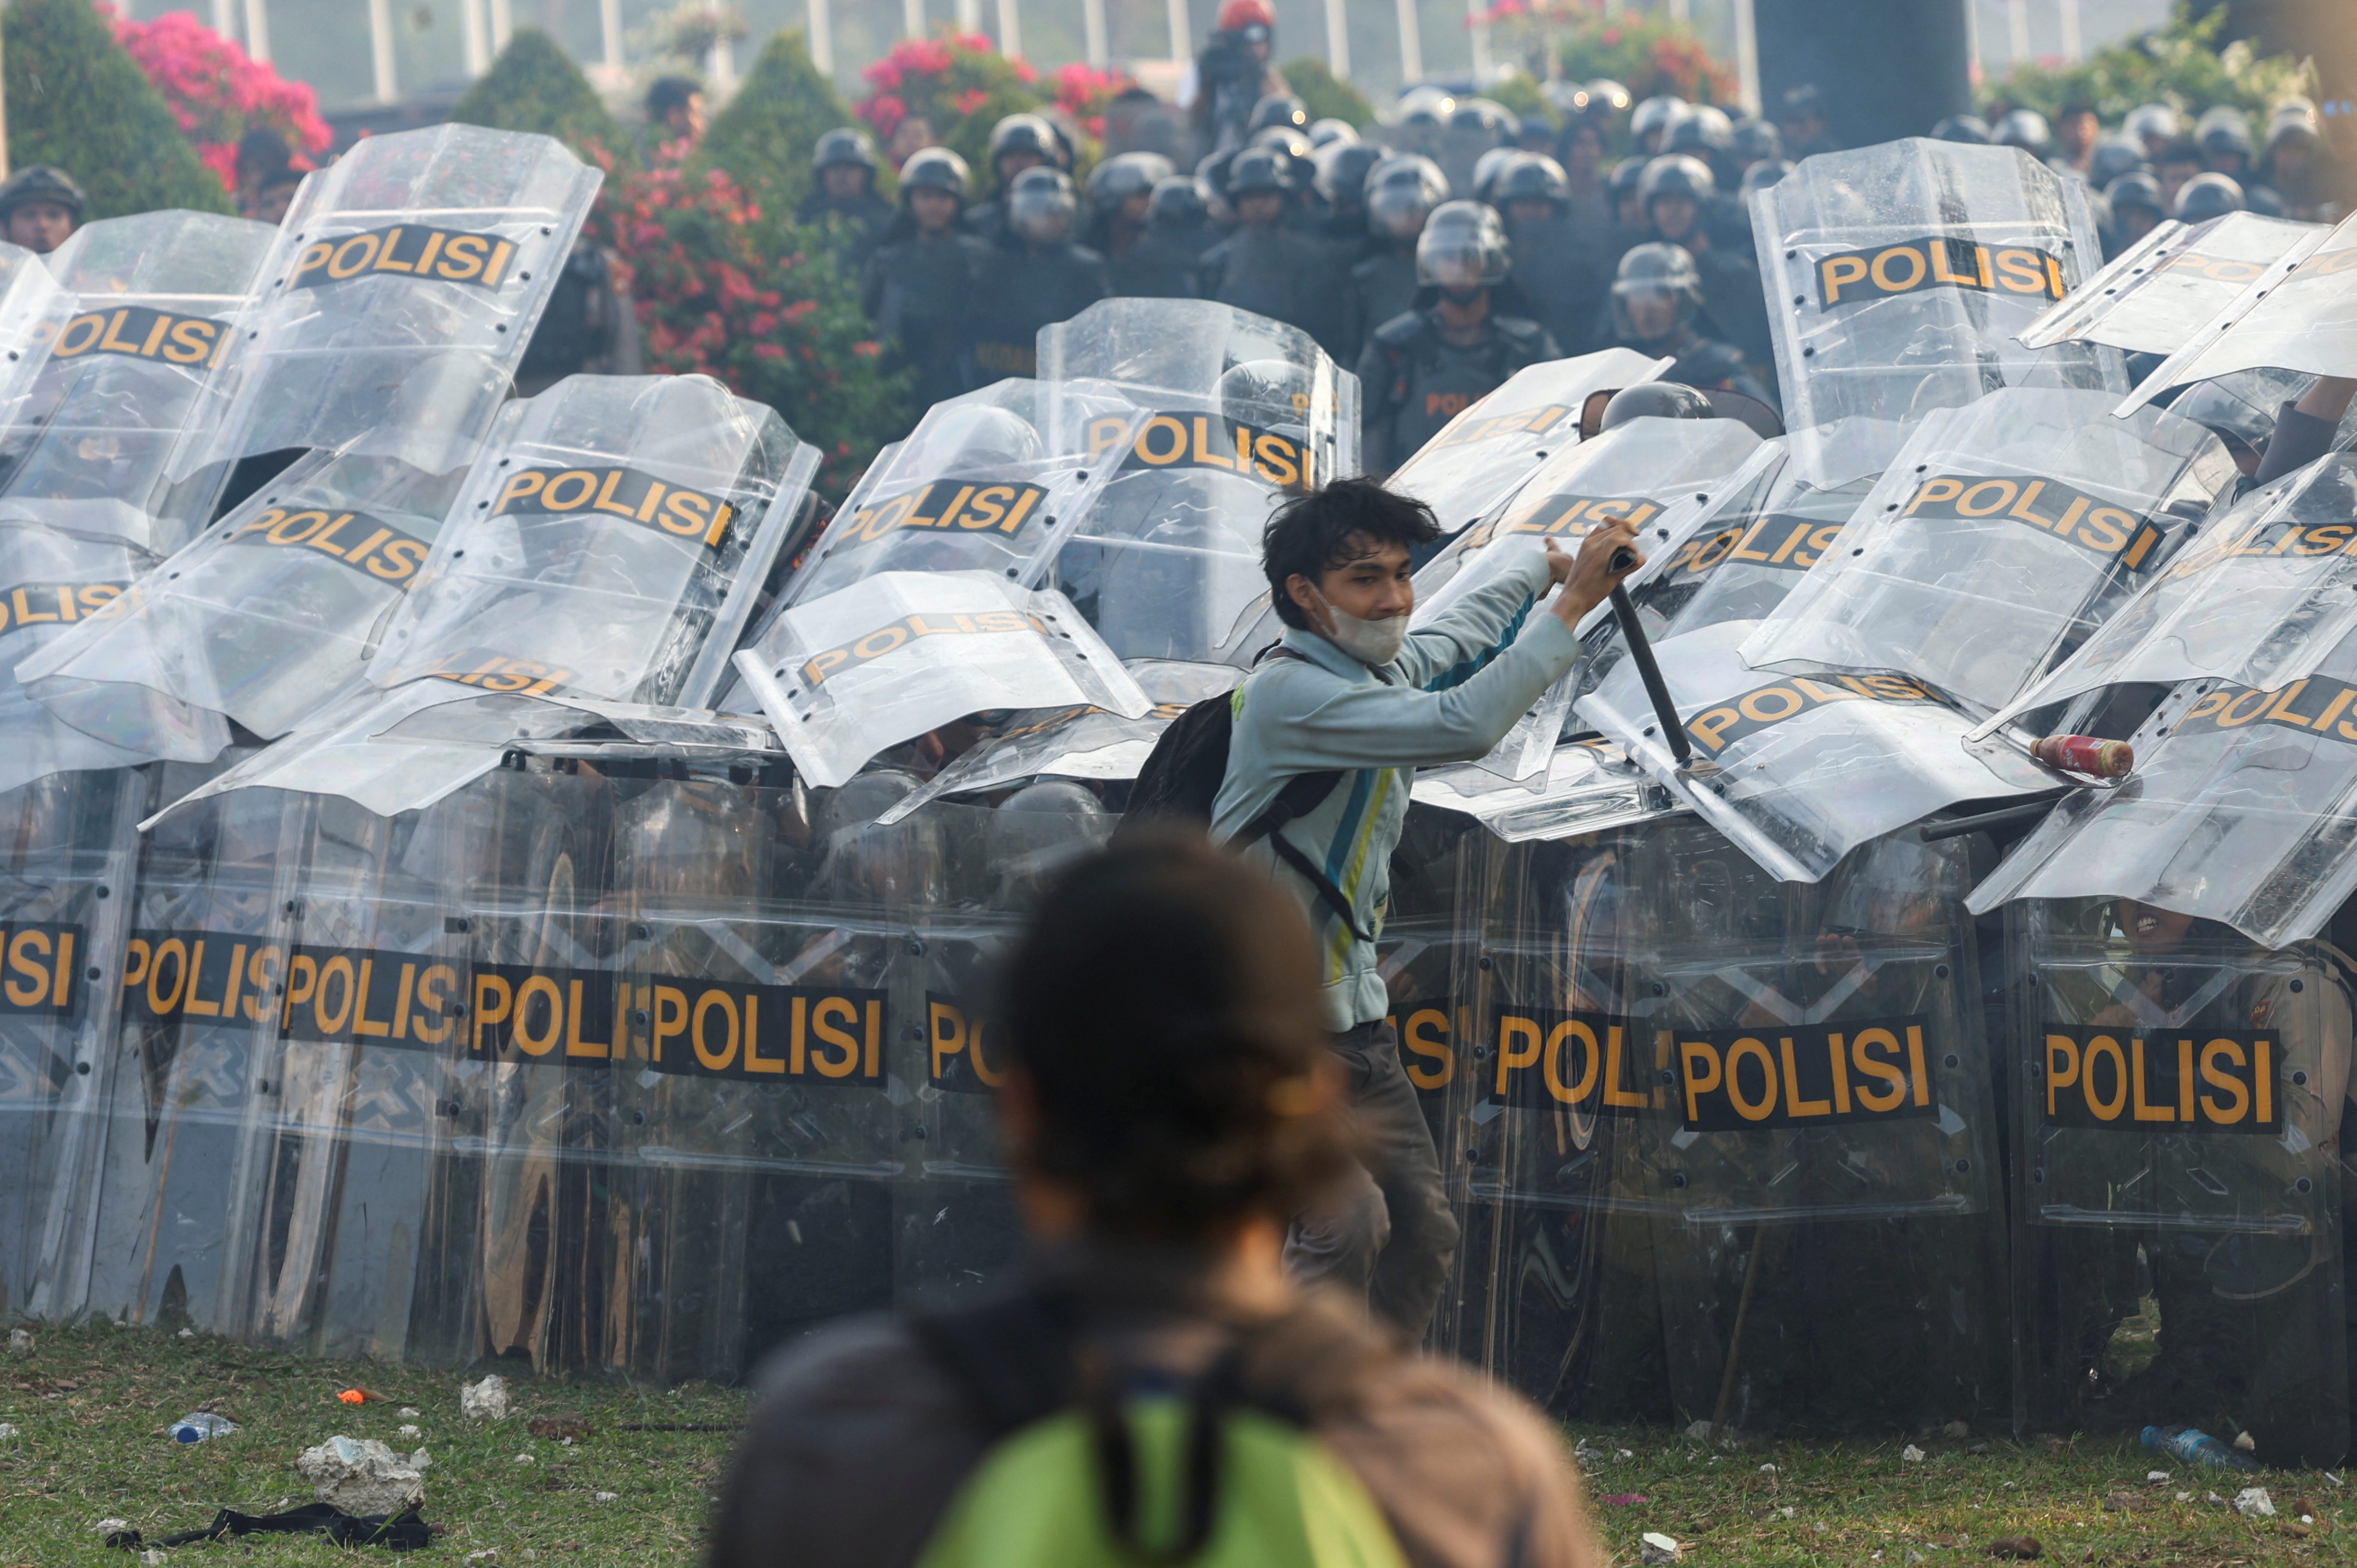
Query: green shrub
<point x="535" y="86"/>
<point x="764" y="138"/>
<point x="1521" y="94"/>
<point x="2180" y="64"/>
<point x="76" y="99"/>
<point x="1325" y="95"/>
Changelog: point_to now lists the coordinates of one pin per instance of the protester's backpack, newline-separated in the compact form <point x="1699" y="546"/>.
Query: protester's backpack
<point x="1082" y="1476"/>
<point x="1181" y="778"/>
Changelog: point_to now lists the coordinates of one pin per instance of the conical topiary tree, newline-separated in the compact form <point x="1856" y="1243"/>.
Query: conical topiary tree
<point x="764" y="138"/>
<point x="533" y="86"/>
<point x="77" y="100"/>
<point x="1324" y="94"/>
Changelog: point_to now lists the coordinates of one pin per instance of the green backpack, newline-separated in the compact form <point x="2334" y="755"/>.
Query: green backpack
<point x="1083" y="1475"/>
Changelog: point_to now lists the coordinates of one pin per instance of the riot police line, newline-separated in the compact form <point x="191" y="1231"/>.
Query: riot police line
<point x="471" y="900"/>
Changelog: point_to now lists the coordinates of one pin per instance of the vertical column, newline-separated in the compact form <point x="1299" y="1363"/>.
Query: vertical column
<point x="1092" y="33"/>
<point x="1010" y="29"/>
<point x="912" y="18"/>
<point x="1747" y="56"/>
<point x="477" y="36"/>
<point x="1338" y="41"/>
<point x="609" y="30"/>
<point x="1477" y="24"/>
<point x="2016" y="24"/>
<point x="1182" y="35"/>
<point x="1681" y="11"/>
<point x="502" y="24"/>
<point x="721" y="69"/>
<point x="225" y="18"/>
<point x="821" y="32"/>
<point x="969" y="15"/>
<point x="2073" y="49"/>
<point x="257" y="30"/>
<point x="1411" y="41"/>
<point x="388" y="86"/>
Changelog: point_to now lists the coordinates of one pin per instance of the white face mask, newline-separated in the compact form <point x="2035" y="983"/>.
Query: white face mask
<point x="1367" y="641"/>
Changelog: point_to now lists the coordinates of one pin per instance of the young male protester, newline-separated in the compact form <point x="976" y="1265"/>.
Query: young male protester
<point x="1353" y="693"/>
<point x="1166" y="1106"/>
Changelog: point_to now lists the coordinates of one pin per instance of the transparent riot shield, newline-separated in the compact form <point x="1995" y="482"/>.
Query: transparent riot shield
<point x="191" y="1101"/>
<point x="1800" y="770"/>
<point x="1081" y="743"/>
<point x="1822" y="1160"/>
<point x="895" y="655"/>
<point x="68" y="853"/>
<point x="53" y="582"/>
<point x="1230" y="413"/>
<point x="155" y="300"/>
<point x="2179" y="1095"/>
<point x="981" y="485"/>
<point x="609" y="544"/>
<point x="1998" y="543"/>
<point x="2259" y="597"/>
<point x="1899" y="276"/>
<point x="1589" y="785"/>
<point x="2239" y="813"/>
<point x="2298" y="313"/>
<point x="1484" y="453"/>
<point x="265" y="618"/>
<point x="403" y="287"/>
<point x="2160" y="291"/>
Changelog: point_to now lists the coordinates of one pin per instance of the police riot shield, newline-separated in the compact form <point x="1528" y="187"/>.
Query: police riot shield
<point x="260" y="621"/>
<point x="2167" y="287"/>
<point x="155" y="301"/>
<point x="1800" y="770"/>
<point x="1900" y="275"/>
<point x="1997" y="543"/>
<point x="2239" y="813"/>
<point x="1082" y="743"/>
<point x="1484" y="453"/>
<point x="398" y="301"/>
<point x="1589" y="785"/>
<point x="2259" y="597"/>
<point x="54" y="581"/>
<point x="68" y="853"/>
<point x="609" y="544"/>
<point x="2298" y="313"/>
<point x="983" y="484"/>
<point x="1230" y="412"/>
<point x="2179" y="1095"/>
<point x="895" y="655"/>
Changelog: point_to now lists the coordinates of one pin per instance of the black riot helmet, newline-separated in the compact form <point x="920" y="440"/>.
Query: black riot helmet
<point x="1324" y="134"/>
<point x="1533" y="176"/>
<point x="1655" y="270"/>
<point x="1655" y="114"/>
<point x="2151" y="122"/>
<point x="1627" y="175"/>
<point x="1969" y="129"/>
<point x="1463" y="247"/>
<point x="2025" y="129"/>
<point x="2208" y="196"/>
<point x="1256" y="169"/>
<point x="1701" y="129"/>
<point x="1025" y="133"/>
<point x="1179" y="202"/>
<point x="1402" y="193"/>
<point x="935" y="168"/>
<point x="41" y="182"/>
<point x="1605" y="97"/>
<point x="1126" y="175"/>
<point x="1278" y="108"/>
<point x="2138" y="189"/>
<point x="2224" y="131"/>
<point x="1757" y="141"/>
<point x="1488" y="166"/>
<point x="1656" y="400"/>
<point x="1041" y="205"/>
<point x="1294" y="146"/>
<point x="1676" y="175"/>
<point x="844" y="148"/>
<point x="2113" y="157"/>
<point x="1341" y="172"/>
<point x="1763" y="174"/>
<point x="1213" y="172"/>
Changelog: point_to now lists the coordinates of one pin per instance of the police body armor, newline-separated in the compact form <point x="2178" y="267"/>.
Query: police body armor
<point x="1563" y="278"/>
<point x="921" y="294"/>
<point x="1429" y="381"/>
<point x="1276" y="273"/>
<point x="1017" y="291"/>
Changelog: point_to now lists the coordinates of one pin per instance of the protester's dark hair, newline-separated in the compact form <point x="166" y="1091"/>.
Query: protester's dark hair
<point x="2077" y="106"/>
<point x="1314" y="533"/>
<point x="670" y="92"/>
<point x="1165" y="1008"/>
<point x="2181" y="150"/>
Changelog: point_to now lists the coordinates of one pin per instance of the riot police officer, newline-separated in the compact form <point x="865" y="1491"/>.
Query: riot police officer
<point x="1017" y="143"/>
<point x="1705" y="132"/>
<point x="1401" y="195"/>
<point x="2135" y="204"/>
<point x="1421" y="369"/>
<point x="1232" y="76"/>
<point x="845" y="164"/>
<point x="1341" y="180"/>
<point x="1264" y="267"/>
<point x="2208" y="196"/>
<point x="921" y="283"/>
<point x="1649" y="124"/>
<point x="1120" y="197"/>
<point x="1657" y="299"/>
<point x="1679" y="196"/>
<point x="1033" y="277"/>
<point x="1555" y="270"/>
<point x="1168" y="263"/>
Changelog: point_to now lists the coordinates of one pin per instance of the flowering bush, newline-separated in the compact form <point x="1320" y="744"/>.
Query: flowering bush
<point x="2180" y="64"/>
<point x="217" y="93"/>
<point x="776" y="323"/>
<point x="1084" y="93"/>
<point x="78" y="99"/>
<point x="959" y="83"/>
<point x="1648" y="55"/>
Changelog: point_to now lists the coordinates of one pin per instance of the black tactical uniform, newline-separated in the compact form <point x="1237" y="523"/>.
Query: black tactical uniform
<point x="864" y="217"/>
<point x="1033" y="277"/>
<point x="1271" y="270"/>
<point x="1168" y="263"/>
<point x="1413" y="381"/>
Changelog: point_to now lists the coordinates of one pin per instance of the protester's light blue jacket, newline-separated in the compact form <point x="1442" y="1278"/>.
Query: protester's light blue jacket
<point x="1455" y="689"/>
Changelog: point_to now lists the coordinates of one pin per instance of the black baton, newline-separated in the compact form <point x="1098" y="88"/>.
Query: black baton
<point x="1641" y="650"/>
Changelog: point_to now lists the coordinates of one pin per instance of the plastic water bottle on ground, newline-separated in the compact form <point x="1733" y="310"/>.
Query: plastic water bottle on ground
<point x="198" y="1425"/>
<point x="2195" y="1446"/>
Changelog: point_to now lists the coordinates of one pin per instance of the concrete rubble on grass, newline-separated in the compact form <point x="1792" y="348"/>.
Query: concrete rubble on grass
<point x="1658" y="1547"/>
<point x="2253" y="1502"/>
<point x="486" y="1401"/>
<point x="364" y="1477"/>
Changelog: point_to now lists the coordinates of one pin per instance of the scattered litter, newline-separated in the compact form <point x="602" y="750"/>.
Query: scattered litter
<point x="402" y="1532"/>
<point x="1699" y="1432"/>
<point x="1956" y="1429"/>
<point x="1630" y="1453"/>
<point x="2331" y="1477"/>
<point x="1912" y="1453"/>
<point x="360" y="1396"/>
<point x="2007" y="1486"/>
<point x="486" y="1401"/>
<point x="152" y="1558"/>
<point x="2296" y="1532"/>
<point x="187" y="1334"/>
<point x="409" y="1428"/>
<point x="2243" y="1440"/>
<point x="523" y="1459"/>
<point x="605" y="1496"/>
<point x="2020" y="1548"/>
<point x="2195" y="1446"/>
<point x="364" y="1477"/>
<point x="478" y="1556"/>
<point x="2306" y="1509"/>
<point x="7" y="1431"/>
<point x="1657" y="1548"/>
<point x="20" y="1342"/>
<point x="2157" y="1476"/>
<point x="1624" y="1500"/>
<point x="2214" y="1498"/>
<point x="2185" y="1497"/>
<point x="557" y="1431"/>
<point x="109" y="1526"/>
<point x="1787" y="1510"/>
<point x="200" y="1424"/>
<point x="411" y="1412"/>
<point x="1767" y="1469"/>
<point x="2253" y="1502"/>
<point x="2124" y="1502"/>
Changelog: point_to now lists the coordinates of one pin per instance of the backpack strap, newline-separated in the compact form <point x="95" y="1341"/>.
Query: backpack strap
<point x="1303" y="793"/>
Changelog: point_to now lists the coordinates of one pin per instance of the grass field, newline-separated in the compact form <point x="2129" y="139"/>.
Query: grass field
<point x="91" y="1404"/>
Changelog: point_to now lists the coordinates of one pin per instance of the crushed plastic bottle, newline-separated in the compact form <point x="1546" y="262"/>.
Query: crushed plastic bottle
<point x="198" y="1425"/>
<point x="2195" y="1446"/>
